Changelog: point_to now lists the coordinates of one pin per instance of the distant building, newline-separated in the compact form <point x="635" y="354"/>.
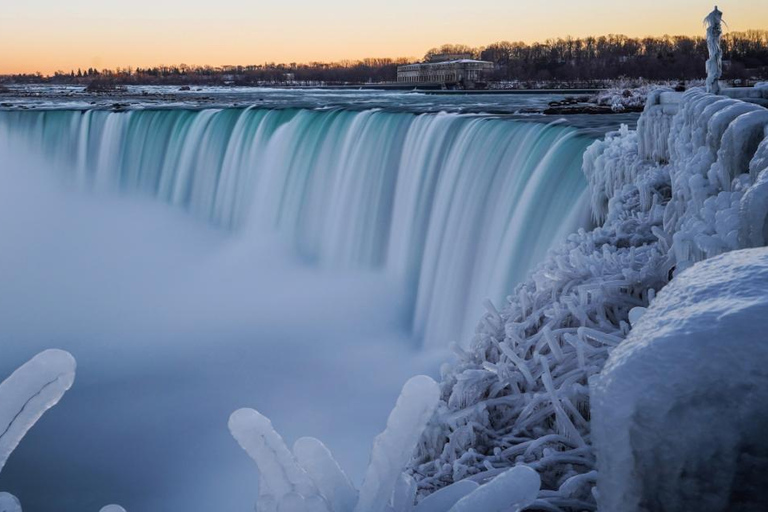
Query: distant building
<point x="446" y="70"/>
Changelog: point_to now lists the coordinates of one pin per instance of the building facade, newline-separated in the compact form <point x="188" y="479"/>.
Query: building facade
<point x="463" y="72"/>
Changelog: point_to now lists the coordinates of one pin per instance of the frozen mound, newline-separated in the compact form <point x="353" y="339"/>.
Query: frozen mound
<point x="310" y="480"/>
<point x="690" y="184"/>
<point x="680" y="410"/>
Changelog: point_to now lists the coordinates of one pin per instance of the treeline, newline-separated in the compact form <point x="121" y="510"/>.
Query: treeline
<point x="745" y="56"/>
<point x="374" y="70"/>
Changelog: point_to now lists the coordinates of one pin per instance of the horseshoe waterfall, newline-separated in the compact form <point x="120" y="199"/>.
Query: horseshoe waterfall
<point x="452" y="208"/>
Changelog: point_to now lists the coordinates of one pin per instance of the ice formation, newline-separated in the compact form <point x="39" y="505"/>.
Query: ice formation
<point x="688" y="185"/>
<point x="714" y="24"/>
<point x="31" y="390"/>
<point x="681" y="407"/>
<point x="112" y="508"/>
<point x="310" y="480"/>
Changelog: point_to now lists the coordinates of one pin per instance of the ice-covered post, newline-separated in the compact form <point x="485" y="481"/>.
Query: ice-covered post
<point x="714" y="24"/>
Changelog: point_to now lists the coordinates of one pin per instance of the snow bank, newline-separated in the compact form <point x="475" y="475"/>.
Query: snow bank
<point x="690" y="184"/>
<point x="681" y="408"/>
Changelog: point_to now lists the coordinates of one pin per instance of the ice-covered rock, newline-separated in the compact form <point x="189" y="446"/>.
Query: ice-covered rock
<point x="680" y="411"/>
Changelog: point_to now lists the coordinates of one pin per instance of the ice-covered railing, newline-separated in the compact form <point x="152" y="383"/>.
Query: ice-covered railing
<point x="25" y="396"/>
<point x="31" y="390"/>
<point x="691" y="183"/>
<point x="309" y="479"/>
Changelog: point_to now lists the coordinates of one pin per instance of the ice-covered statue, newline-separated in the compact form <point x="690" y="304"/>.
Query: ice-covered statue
<point x="714" y="24"/>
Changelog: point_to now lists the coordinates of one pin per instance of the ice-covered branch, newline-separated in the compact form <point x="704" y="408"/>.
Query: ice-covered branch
<point x="31" y="390"/>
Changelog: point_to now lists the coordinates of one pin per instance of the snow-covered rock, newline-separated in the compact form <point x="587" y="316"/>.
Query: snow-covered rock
<point x="680" y="411"/>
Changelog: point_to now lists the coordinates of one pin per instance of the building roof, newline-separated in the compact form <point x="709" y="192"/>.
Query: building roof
<point x="443" y="63"/>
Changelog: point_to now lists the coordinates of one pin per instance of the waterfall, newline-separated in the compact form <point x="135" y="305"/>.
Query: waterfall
<point x="455" y="208"/>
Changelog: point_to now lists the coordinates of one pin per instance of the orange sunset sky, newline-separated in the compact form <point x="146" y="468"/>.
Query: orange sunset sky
<point x="50" y="35"/>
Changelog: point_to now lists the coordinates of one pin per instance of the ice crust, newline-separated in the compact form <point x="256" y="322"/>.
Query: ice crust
<point x="681" y="408"/>
<point x="691" y="183"/>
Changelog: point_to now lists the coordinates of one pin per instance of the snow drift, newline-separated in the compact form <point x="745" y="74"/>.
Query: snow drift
<point x="688" y="185"/>
<point x="681" y="408"/>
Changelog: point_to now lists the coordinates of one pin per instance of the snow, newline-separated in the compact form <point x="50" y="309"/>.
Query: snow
<point x="31" y="390"/>
<point x="9" y="503"/>
<point x="688" y="185"/>
<point x="680" y="410"/>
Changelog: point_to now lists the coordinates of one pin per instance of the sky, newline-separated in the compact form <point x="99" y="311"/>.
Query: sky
<point x="50" y="35"/>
